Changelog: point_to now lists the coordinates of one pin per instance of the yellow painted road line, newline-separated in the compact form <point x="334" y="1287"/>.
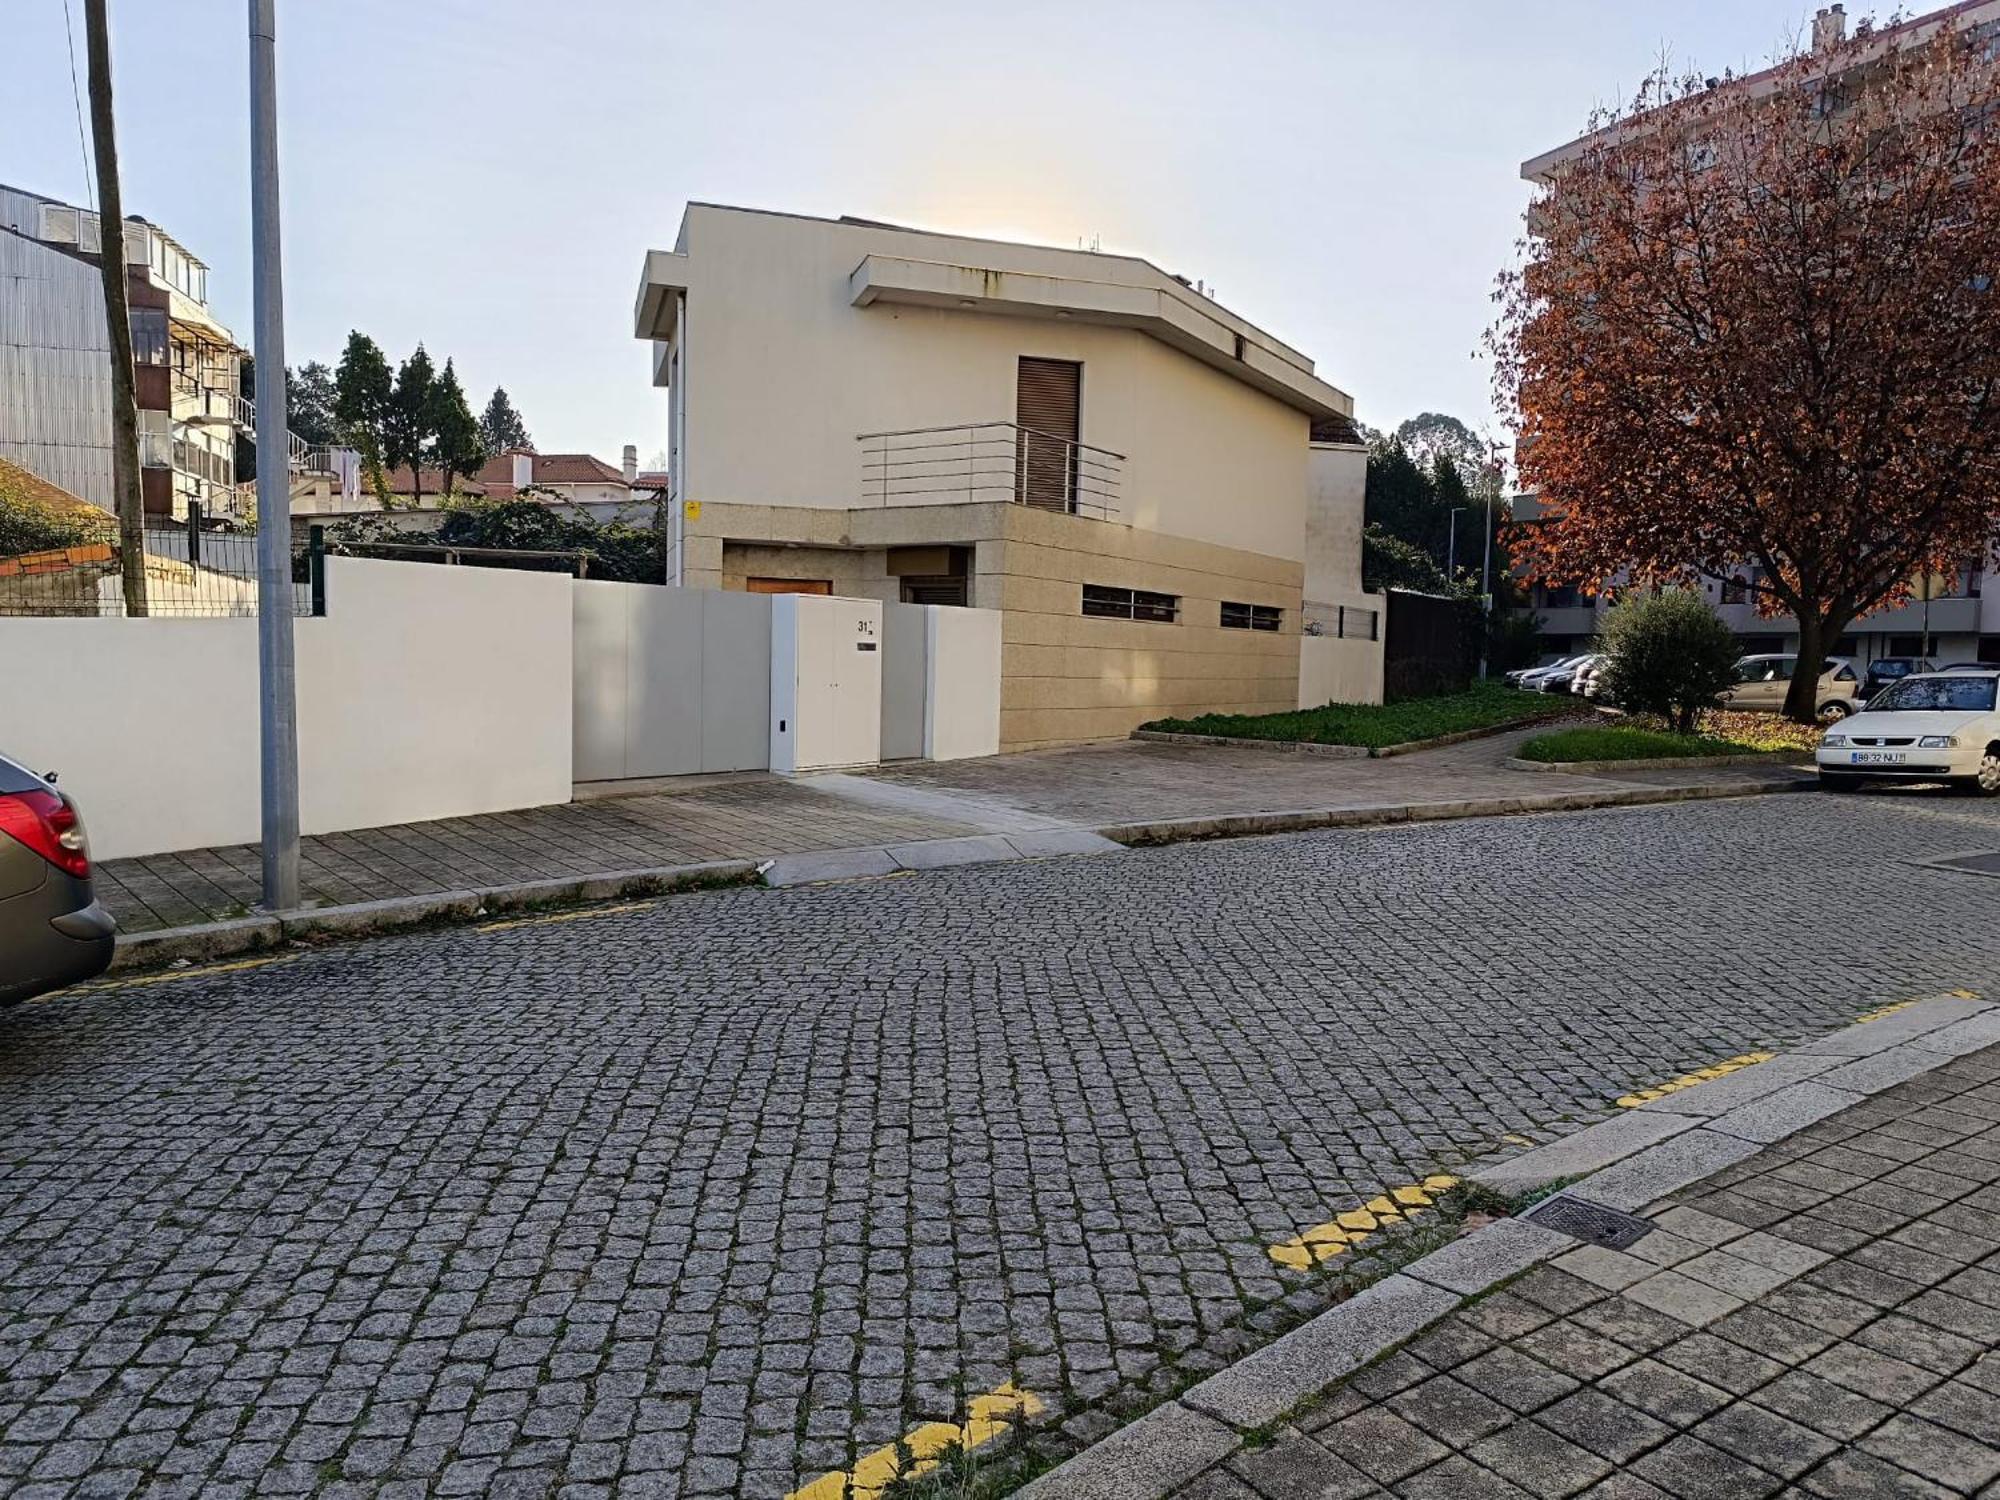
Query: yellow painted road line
<point x="1689" y="1080"/>
<point x="1347" y="1230"/>
<point x="565" y="916"/>
<point x="986" y="1418"/>
<point x="166" y="975"/>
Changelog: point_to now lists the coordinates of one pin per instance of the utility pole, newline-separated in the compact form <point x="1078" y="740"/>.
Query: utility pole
<point x="277" y="716"/>
<point x="1451" y="547"/>
<point x="1494" y="474"/>
<point x="126" y="494"/>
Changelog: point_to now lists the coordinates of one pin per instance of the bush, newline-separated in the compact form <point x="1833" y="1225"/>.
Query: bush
<point x="620" y="553"/>
<point x="1670" y="655"/>
<point x="28" y="527"/>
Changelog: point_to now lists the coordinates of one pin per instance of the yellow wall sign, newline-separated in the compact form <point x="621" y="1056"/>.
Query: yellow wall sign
<point x="691" y="509"/>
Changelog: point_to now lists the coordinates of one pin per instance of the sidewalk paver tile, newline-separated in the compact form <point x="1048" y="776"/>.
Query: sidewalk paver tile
<point x="1297" y="1468"/>
<point x="1693" y="1470"/>
<point x="1766" y="1439"/>
<point x="1935" y="1452"/>
<point x="1538" y="1460"/>
<point x="1604" y="1425"/>
<point x="1381" y="1444"/>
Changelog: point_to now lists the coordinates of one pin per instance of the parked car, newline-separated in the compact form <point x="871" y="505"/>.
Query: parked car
<point x="1971" y="666"/>
<point x="52" y="931"/>
<point x="1553" y="679"/>
<point x="1595" y="682"/>
<point x="1941" y="726"/>
<point x="1887" y="669"/>
<point x="1762" y="683"/>
<point x="1583" y="682"/>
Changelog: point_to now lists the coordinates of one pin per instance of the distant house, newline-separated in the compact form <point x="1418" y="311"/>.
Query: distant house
<point x="579" y="479"/>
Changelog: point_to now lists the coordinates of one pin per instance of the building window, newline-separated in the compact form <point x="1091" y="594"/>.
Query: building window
<point x="1251" y="616"/>
<point x="1129" y="604"/>
<point x="149" y="336"/>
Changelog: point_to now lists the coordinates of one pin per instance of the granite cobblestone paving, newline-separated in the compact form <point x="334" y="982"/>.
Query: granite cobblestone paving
<point x="713" y="1197"/>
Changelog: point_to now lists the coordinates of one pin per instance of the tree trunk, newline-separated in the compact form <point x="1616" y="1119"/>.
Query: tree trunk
<point x="117" y="316"/>
<point x="1816" y="634"/>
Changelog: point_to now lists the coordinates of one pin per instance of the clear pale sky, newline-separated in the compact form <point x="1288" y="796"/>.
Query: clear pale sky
<point x="485" y="175"/>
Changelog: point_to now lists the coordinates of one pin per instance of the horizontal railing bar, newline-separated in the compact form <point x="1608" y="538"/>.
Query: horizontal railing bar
<point x="989" y="427"/>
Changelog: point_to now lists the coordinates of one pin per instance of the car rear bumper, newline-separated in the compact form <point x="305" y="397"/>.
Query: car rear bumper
<point x="71" y="947"/>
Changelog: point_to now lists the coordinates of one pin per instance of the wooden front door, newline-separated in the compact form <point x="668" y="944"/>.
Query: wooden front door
<point x="1048" y="409"/>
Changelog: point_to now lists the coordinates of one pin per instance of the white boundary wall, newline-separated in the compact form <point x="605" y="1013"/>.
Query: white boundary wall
<point x="1332" y="670"/>
<point x="426" y="692"/>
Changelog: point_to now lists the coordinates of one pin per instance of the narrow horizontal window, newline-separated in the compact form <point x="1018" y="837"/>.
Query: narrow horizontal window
<point x="1251" y="616"/>
<point x="1129" y="604"/>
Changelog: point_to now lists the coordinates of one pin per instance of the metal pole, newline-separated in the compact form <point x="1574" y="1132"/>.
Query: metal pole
<point x="277" y="716"/>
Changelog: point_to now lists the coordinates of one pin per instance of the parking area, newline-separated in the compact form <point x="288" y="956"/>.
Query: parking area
<point x="720" y="1194"/>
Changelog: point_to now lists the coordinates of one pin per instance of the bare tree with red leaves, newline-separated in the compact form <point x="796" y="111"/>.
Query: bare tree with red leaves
<point x="1757" y="326"/>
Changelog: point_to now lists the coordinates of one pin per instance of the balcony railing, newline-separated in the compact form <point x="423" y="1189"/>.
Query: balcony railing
<point x="989" y="461"/>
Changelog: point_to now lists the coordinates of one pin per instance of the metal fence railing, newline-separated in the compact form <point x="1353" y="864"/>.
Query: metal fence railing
<point x="989" y="461"/>
<point x="190" y="570"/>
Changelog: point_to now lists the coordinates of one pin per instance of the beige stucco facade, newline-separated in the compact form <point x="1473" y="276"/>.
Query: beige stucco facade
<point x="785" y="340"/>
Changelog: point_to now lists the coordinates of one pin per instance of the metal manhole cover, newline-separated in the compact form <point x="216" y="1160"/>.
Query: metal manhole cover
<point x="1592" y="1223"/>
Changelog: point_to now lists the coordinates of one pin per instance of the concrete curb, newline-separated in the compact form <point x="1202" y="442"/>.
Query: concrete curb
<point x="1463" y="736"/>
<point x="1240" y="825"/>
<point x="1629" y="1165"/>
<point x="218" y="940"/>
<point x="1235" y="742"/>
<point x="1660" y="763"/>
<point x="1342" y="752"/>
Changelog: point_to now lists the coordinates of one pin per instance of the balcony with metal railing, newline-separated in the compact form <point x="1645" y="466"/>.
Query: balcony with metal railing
<point x="984" y="462"/>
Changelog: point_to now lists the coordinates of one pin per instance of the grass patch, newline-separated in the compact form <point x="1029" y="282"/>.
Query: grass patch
<point x="1375" y="725"/>
<point x="1623" y="742"/>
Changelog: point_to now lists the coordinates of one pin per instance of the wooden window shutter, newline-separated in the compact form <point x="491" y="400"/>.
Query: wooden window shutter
<point x="1048" y="407"/>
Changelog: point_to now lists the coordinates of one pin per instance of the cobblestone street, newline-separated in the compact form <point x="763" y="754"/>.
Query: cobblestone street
<point x="716" y="1195"/>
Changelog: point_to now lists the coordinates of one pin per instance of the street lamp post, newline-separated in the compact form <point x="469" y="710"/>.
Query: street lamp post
<point x="277" y="712"/>
<point x="1451" y="545"/>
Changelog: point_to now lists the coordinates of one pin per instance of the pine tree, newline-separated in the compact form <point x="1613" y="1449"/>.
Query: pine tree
<point x="455" y="435"/>
<point x="501" y="426"/>
<point x="363" y="394"/>
<point x="407" y="439"/>
<point x="312" y="403"/>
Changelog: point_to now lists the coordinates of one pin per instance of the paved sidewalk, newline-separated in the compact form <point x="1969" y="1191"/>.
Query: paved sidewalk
<point x="1822" y="1319"/>
<point x="911" y="816"/>
<point x="757" y="819"/>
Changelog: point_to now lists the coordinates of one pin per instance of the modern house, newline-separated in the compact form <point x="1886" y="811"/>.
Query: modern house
<point x="1956" y="616"/>
<point x="55" y="378"/>
<point x="1123" y="468"/>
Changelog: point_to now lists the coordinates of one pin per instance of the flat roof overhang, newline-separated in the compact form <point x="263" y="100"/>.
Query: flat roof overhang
<point x="1181" y="319"/>
<point x="665" y="277"/>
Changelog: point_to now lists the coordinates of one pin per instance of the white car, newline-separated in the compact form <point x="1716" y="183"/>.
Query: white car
<point x="1937" y="727"/>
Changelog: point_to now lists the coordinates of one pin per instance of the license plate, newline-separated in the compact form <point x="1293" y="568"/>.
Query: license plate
<point x="1876" y="758"/>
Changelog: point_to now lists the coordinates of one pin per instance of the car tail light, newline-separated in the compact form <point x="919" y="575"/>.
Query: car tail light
<point x="47" y="824"/>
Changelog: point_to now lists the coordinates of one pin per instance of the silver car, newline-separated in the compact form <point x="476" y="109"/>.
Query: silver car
<point x="52" y="930"/>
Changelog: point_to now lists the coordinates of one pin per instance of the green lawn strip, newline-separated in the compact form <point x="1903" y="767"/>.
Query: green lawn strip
<point x="1618" y="742"/>
<point x="1379" y="724"/>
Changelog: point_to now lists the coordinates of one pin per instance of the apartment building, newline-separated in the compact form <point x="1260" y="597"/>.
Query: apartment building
<point x="1952" y="617"/>
<point x="1122" y="467"/>
<point x="55" y="377"/>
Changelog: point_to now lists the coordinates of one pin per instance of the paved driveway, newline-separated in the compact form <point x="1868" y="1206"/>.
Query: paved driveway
<point x="718" y="1195"/>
